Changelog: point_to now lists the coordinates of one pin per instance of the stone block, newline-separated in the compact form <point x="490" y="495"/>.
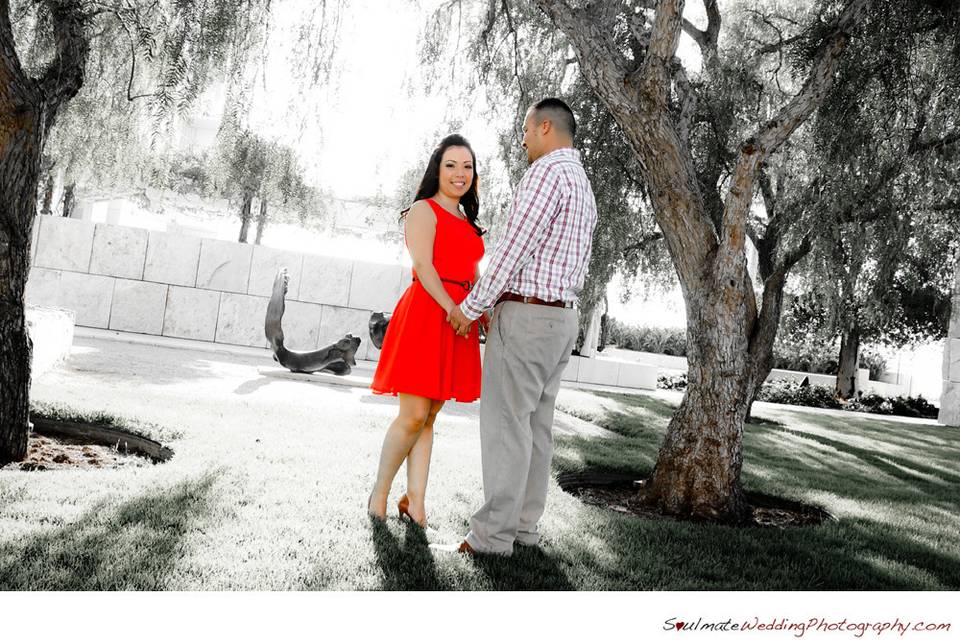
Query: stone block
<point x="954" y="330"/>
<point x="43" y="287"/>
<point x="89" y="296"/>
<point x="118" y="251"/>
<point x="172" y="258"/>
<point x="571" y="371"/>
<point x="339" y="321"/>
<point x="240" y="320"/>
<point x="34" y="234"/>
<point x="637" y="376"/>
<point x="138" y="307"/>
<point x="224" y="266"/>
<point x="301" y="325"/>
<point x="950" y="404"/>
<point x="954" y="355"/>
<point x="266" y="262"/>
<point x="191" y="313"/>
<point x="593" y="371"/>
<point x="64" y="243"/>
<point x="375" y="286"/>
<point x="945" y="370"/>
<point x="325" y="280"/>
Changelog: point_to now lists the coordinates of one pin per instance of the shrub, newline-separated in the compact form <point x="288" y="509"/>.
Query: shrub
<point x="910" y="407"/>
<point x="873" y="361"/>
<point x="796" y="393"/>
<point x="666" y="340"/>
<point x="672" y="382"/>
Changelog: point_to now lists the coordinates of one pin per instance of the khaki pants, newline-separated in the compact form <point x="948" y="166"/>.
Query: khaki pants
<point x="526" y="351"/>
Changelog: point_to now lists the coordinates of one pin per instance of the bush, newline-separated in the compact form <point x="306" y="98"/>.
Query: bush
<point x="814" y="395"/>
<point x="668" y="341"/>
<point x="900" y="406"/>
<point x="873" y="361"/>
<point x="672" y="382"/>
<point x="796" y="393"/>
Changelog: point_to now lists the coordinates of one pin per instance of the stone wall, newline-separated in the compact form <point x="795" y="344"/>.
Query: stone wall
<point x="950" y="397"/>
<point x="165" y="284"/>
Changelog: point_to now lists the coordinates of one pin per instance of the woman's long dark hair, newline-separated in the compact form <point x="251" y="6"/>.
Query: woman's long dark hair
<point x="430" y="183"/>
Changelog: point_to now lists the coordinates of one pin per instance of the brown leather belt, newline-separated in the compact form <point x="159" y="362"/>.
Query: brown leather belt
<point x="509" y="296"/>
<point x="466" y="284"/>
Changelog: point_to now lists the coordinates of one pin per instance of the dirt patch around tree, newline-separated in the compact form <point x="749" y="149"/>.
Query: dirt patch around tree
<point x="47" y="453"/>
<point x="618" y="492"/>
<point x="72" y="444"/>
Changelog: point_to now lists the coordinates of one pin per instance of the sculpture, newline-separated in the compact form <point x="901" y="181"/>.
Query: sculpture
<point x="378" y="328"/>
<point x="337" y="358"/>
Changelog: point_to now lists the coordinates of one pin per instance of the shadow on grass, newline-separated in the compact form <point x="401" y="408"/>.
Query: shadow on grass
<point x="528" y="569"/>
<point x="893" y="487"/>
<point x="408" y="566"/>
<point x="132" y="545"/>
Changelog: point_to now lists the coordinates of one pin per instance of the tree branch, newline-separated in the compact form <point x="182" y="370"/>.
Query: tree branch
<point x="643" y="243"/>
<point x="63" y="77"/>
<point x="775" y="132"/>
<point x="653" y="74"/>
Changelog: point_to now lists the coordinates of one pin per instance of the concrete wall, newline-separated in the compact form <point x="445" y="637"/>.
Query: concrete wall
<point x="672" y="365"/>
<point x="950" y="397"/>
<point x="165" y="284"/>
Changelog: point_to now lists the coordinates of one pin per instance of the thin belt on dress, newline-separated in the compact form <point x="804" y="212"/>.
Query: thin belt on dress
<point x="466" y="284"/>
<point x="509" y="296"/>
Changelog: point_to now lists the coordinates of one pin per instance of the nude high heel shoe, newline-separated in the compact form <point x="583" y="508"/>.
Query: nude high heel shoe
<point x="402" y="510"/>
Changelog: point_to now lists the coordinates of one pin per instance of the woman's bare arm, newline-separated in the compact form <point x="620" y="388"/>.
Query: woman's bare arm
<point x="421" y="229"/>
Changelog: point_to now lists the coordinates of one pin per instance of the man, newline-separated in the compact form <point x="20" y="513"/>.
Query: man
<point x="534" y="278"/>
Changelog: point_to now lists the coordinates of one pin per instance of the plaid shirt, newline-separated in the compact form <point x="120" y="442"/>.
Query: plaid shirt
<point x="545" y="248"/>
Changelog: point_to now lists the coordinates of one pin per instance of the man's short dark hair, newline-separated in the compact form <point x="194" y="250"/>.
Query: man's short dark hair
<point x="557" y="111"/>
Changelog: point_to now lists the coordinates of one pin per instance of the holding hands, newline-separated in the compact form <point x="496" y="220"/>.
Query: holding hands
<point x="458" y="321"/>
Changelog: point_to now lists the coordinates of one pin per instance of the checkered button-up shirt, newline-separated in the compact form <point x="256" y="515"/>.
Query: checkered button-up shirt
<point x="545" y="248"/>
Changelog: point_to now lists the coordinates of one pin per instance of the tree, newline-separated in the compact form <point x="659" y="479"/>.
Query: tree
<point x="626" y="52"/>
<point x="188" y="40"/>
<point x="888" y="153"/>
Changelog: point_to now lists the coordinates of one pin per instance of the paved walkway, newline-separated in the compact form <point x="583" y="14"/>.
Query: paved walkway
<point x="255" y="368"/>
<point x="208" y="370"/>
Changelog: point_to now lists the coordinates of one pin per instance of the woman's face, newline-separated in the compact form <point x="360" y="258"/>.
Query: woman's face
<point x="456" y="172"/>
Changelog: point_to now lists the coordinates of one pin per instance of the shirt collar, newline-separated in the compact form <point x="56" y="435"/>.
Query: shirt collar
<point x="568" y="153"/>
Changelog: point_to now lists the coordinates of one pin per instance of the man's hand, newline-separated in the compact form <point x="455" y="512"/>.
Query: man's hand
<point x="458" y="321"/>
<point x="484" y="321"/>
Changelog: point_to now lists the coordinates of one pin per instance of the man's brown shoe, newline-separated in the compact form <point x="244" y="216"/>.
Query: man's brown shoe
<point x="463" y="548"/>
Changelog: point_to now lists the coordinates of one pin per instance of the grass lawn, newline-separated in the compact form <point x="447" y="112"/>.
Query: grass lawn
<point x="268" y="486"/>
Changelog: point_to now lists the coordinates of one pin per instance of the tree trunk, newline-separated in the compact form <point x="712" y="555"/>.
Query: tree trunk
<point x="849" y="359"/>
<point x="69" y="200"/>
<point x="697" y="473"/>
<point x="245" y="216"/>
<point x="28" y="108"/>
<point x="19" y="169"/>
<point x="261" y="220"/>
<point x="19" y="175"/>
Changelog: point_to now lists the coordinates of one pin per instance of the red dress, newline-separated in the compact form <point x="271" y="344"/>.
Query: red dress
<point x="422" y="355"/>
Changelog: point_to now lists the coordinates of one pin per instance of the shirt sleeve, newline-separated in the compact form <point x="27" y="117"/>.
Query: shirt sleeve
<point x="536" y="201"/>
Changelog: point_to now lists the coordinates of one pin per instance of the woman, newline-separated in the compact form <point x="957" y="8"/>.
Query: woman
<point x="423" y="361"/>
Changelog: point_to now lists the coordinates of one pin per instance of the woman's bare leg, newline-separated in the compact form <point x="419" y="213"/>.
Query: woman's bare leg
<point x="418" y="466"/>
<point x="400" y="438"/>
